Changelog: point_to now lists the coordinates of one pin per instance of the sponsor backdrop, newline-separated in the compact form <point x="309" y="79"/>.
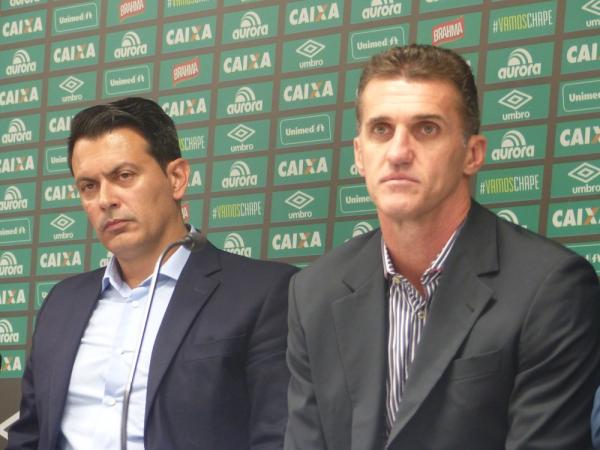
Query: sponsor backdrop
<point x="262" y="93"/>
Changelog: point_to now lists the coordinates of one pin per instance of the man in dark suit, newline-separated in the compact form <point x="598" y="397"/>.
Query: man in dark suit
<point x="211" y="371"/>
<point x="596" y="421"/>
<point x="447" y="329"/>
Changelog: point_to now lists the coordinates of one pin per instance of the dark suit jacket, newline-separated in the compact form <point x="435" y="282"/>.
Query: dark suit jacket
<point x="217" y="376"/>
<point x="509" y="358"/>
<point x="596" y="421"/>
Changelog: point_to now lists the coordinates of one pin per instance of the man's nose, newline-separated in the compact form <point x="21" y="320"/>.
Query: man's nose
<point x="400" y="150"/>
<point x="106" y="196"/>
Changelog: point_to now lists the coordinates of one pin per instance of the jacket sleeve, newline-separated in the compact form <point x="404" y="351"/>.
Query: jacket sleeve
<point x="596" y="421"/>
<point x="558" y="362"/>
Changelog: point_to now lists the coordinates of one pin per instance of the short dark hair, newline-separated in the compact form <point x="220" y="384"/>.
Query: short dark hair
<point x="140" y="114"/>
<point x="425" y="62"/>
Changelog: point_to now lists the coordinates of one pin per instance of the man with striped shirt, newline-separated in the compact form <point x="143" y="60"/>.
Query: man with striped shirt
<point x="447" y="328"/>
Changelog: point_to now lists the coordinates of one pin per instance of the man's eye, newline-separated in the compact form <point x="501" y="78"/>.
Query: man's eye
<point x="125" y="175"/>
<point x="428" y="129"/>
<point x="380" y="129"/>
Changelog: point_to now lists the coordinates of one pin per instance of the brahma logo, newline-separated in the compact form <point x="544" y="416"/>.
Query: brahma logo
<point x="7" y="333"/>
<point x="241" y="133"/>
<point x="239" y="176"/>
<point x="63" y="222"/>
<point x="303" y="166"/>
<point x="520" y="65"/>
<point x="381" y="8"/>
<point x="575" y="217"/>
<point x="19" y="96"/>
<point x="9" y="266"/>
<point x="361" y="228"/>
<point x="70" y="53"/>
<point x="12" y="297"/>
<point x="61" y="192"/>
<point x="16" y="164"/>
<point x="245" y="102"/>
<point x="130" y="8"/>
<point x="182" y="108"/>
<point x="513" y="146"/>
<point x="21" y="27"/>
<point x="60" y="259"/>
<point x="571" y="137"/>
<point x="584" y="53"/>
<point x="300" y="240"/>
<point x="192" y="33"/>
<point x="248" y="62"/>
<point x="131" y="46"/>
<point x="299" y="200"/>
<point x="13" y="200"/>
<point x="448" y="31"/>
<point x="186" y="70"/>
<point x="592" y="7"/>
<point x="307" y="91"/>
<point x="515" y="100"/>
<point x="17" y="132"/>
<point x="21" y="64"/>
<point x="250" y="27"/>
<point x="234" y="243"/>
<point x="314" y="14"/>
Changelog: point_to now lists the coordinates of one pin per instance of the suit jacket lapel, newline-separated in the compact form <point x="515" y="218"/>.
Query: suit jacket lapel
<point x="458" y="301"/>
<point x="360" y="328"/>
<point x="193" y="289"/>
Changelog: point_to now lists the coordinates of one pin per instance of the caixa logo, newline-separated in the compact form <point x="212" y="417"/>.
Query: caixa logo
<point x="21" y="64"/>
<point x="302" y="166"/>
<point x="520" y="65"/>
<point x="248" y="62"/>
<point x="300" y="240"/>
<point x="192" y="33"/>
<point x="21" y="27"/>
<point x="245" y="102"/>
<point x="513" y="146"/>
<point x="17" y="132"/>
<point x="583" y="53"/>
<point x="189" y="107"/>
<point x="575" y="217"/>
<point x="239" y="176"/>
<point x="15" y="164"/>
<point x="131" y="46"/>
<point x="571" y="137"/>
<point x="234" y="243"/>
<point x="61" y="192"/>
<point x="313" y="14"/>
<point x="60" y="259"/>
<point x="307" y="91"/>
<point x="71" y="53"/>
<point x="9" y="266"/>
<point x="13" y="297"/>
<point x="19" y="96"/>
<point x="251" y="26"/>
<point x="7" y="333"/>
<point x="381" y="8"/>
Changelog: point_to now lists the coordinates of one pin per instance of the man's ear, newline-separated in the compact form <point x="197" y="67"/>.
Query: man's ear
<point x="475" y="157"/>
<point x="178" y="172"/>
<point x="358" y="157"/>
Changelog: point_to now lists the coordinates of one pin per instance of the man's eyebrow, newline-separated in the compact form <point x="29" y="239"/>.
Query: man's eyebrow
<point x="111" y="172"/>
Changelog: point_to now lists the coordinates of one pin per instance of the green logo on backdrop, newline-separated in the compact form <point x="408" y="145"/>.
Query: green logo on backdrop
<point x="520" y="63"/>
<point x="242" y="137"/>
<point x="58" y="123"/>
<point x="239" y="2"/>
<point x="131" y="44"/>
<point x="579" y="96"/>
<point x="128" y="80"/>
<point x="525" y="216"/>
<point x="511" y="105"/>
<point x="315" y="90"/>
<point x="13" y="331"/>
<point x="522" y="144"/>
<point x="344" y="231"/>
<point x="303" y="167"/>
<point x="239" y="174"/>
<point x="13" y="363"/>
<point x="193" y="70"/>
<point x="348" y="167"/>
<point x="308" y="15"/>
<point x="192" y="142"/>
<point x="354" y="200"/>
<point x="351" y="87"/>
<point x="472" y="59"/>
<point x="68" y="89"/>
<point x="14" y="297"/>
<point x="100" y="256"/>
<point x="177" y="7"/>
<point x="247" y="62"/>
<point x="250" y="25"/>
<point x="315" y="52"/>
<point x="579" y="178"/>
<point x="241" y="242"/>
<point x="7" y="5"/>
<point x="189" y="107"/>
<point x="15" y="263"/>
<point x="64" y="226"/>
<point x="15" y="231"/>
<point x="367" y="11"/>
<point x="17" y="197"/>
<point x="23" y="27"/>
<point x="299" y="240"/>
<point x="509" y="185"/>
<point x="196" y="180"/>
<point x="55" y="161"/>
<point x="42" y="289"/>
<point x="21" y="61"/>
<point x="192" y="211"/>
<point x="574" y="218"/>
<point x="59" y="260"/>
<point x="59" y="193"/>
<point x="309" y="129"/>
<point x="581" y="55"/>
<point x="305" y="204"/>
<point x="245" y="100"/>
<point x="73" y="53"/>
<point x="20" y="96"/>
<point x="79" y="17"/>
<point x="363" y="44"/>
<point x="439" y="5"/>
<point x="18" y="164"/>
<point x="131" y="11"/>
<point x="348" y="124"/>
<point x="191" y="34"/>
<point x="590" y="251"/>
<point x="521" y="22"/>
<point x="453" y="32"/>
<point x="584" y="16"/>
<point x="234" y="211"/>
<point x="20" y="130"/>
<point x="581" y="137"/>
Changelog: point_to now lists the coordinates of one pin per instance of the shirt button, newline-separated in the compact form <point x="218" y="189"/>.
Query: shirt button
<point x="109" y="401"/>
<point x="396" y="279"/>
<point x="135" y="304"/>
<point x="421" y="315"/>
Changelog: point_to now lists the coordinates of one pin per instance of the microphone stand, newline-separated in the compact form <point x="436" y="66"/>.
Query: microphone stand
<point x="193" y="241"/>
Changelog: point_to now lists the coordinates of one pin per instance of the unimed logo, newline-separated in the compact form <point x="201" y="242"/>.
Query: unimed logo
<point x="17" y="132"/>
<point x="9" y="266"/>
<point x="448" y="31"/>
<point x="520" y="65"/>
<point x="13" y="200"/>
<point x="513" y="146"/>
<point x="21" y="64"/>
<point x="245" y="102"/>
<point x="234" y="243"/>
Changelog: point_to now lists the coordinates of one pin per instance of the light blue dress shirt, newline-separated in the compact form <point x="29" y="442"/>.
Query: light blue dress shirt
<point x="92" y="415"/>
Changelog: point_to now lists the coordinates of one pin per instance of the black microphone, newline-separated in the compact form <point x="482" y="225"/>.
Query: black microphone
<point x="194" y="240"/>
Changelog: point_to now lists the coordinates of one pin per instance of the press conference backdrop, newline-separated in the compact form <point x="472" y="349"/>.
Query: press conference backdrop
<point x="262" y="93"/>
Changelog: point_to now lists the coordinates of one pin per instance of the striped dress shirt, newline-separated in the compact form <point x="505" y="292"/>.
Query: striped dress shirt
<point x="407" y="318"/>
